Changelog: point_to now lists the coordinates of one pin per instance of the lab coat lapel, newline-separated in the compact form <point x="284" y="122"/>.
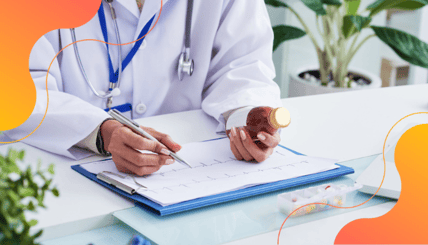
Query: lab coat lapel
<point x="131" y="6"/>
<point x="150" y="8"/>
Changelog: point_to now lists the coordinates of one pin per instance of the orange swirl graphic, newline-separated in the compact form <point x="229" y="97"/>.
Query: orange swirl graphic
<point x="22" y="23"/>
<point x="407" y="222"/>
<point x="83" y="40"/>
<point x="383" y="178"/>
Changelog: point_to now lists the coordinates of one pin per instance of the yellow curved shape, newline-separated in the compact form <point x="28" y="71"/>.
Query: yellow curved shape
<point x="23" y="102"/>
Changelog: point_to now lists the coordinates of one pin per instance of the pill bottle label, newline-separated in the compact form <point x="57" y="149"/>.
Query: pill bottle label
<point x="238" y="118"/>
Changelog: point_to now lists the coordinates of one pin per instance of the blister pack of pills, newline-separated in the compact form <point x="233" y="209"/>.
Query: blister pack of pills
<point x="324" y="194"/>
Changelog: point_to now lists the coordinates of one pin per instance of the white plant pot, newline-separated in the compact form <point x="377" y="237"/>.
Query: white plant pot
<point x="301" y="87"/>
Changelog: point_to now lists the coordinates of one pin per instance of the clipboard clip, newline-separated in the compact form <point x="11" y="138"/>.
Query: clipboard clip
<point x="105" y="178"/>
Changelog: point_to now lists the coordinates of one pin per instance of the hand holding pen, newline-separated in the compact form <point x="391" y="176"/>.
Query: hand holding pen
<point x="123" y="143"/>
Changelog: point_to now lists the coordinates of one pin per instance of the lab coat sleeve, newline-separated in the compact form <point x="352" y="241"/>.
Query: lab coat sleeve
<point x="241" y="69"/>
<point x="69" y="119"/>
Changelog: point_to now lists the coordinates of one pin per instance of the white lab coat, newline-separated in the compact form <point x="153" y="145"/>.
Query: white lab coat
<point x="231" y="47"/>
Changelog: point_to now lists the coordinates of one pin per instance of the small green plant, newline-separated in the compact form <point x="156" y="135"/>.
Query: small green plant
<point x="21" y="191"/>
<point x="340" y="23"/>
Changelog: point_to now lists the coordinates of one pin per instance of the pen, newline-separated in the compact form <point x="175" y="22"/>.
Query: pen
<point x="117" y="184"/>
<point x="136" y="127"/>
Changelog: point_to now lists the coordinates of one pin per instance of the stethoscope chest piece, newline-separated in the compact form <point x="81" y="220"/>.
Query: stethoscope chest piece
<point x="186" y="66"/>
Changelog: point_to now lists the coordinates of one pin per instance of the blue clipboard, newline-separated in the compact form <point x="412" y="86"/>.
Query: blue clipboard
<point x="223" y="197"/>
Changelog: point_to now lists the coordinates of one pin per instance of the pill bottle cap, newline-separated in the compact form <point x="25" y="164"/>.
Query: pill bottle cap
<point x="279" y="118"/>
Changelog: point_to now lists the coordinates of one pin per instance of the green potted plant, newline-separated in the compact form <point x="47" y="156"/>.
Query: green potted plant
<point x="340" y="23"/>
<point x="22" y="190"/>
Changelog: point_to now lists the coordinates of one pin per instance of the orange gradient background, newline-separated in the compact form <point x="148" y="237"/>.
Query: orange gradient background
<point x="407" y="222"/>
<point x="22" y="23"/>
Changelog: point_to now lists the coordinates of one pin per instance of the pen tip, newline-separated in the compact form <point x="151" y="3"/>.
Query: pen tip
<point x="190" y="166"/>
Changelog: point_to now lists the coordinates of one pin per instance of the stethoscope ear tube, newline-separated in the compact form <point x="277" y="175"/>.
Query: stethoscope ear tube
<point x="185" y="63"/>
<point x="188" y="23"/>
<point x="102" y="95"/>
<point x="82" y="69"/>
<point x="113" y="87"/>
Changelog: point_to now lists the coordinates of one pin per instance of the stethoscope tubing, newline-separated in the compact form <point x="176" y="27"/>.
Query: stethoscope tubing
<point x="115" y="86"/>
<point x="187" y="41"/>
<point x="113" y="14"/>
<point x="82" y="69"/>
<point x="112" y="86"/>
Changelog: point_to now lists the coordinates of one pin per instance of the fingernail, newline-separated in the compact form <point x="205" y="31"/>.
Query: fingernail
<point x="233" y="132"/>
<point x="169" y="161"/>
<point x="261" y="137"/>
<point x="243" y="136"/>
<point x="230" y="137"/>
<point x="165" y="152"/>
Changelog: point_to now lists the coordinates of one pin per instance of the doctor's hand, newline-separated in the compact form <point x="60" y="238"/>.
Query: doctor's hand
<point x="123" y="144"/>
<point x="244" y="148"/>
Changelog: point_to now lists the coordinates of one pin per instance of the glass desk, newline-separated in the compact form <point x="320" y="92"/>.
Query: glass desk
<point x="219" y="223"/>
<point x="237" y="219"/>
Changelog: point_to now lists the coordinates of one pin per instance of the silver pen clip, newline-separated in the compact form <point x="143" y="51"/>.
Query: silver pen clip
<point x="103" y="177"/>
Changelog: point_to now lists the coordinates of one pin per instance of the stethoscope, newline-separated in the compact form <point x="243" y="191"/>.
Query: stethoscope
<point x="185" y="63"/>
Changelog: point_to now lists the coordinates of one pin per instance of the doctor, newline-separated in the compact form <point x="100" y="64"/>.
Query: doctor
<point x="231" y="46"/>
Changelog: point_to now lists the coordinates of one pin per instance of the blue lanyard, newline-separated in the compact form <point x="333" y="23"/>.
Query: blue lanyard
<point x="127" y="60"/>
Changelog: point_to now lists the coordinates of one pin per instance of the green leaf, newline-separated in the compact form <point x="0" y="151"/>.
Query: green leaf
<point x="352" y="6"/>
<point x="14" y="169"/>
<point x="14" y="228"/>
<point x="51" y="169"/>
<point x="31" y="206"/>
<point x="375" y="4"/>
<point x="40" y="200"/>
<point x="21" y="155"/>
<point x="2" y="193"/>
<point x="6" y="232"/>
<point x="13" y="196"/>
<point x="12" y="155"/>
<point x="407" y="46"/>
<point x="29" y="175"/>
<point x="55" y="192"/>
<point x="332" y="2"/>
<point x="316" y="6"/>
<point x="381" y="5"/>
<point x="47" y="184"/>
<point x="33" y="222"/>
<point x="37" y="234"/>
<point x="353" y="24"/>
<point x="283" y="33"/>
<point x="25" y="192"/>
<point x="276" y="3"/>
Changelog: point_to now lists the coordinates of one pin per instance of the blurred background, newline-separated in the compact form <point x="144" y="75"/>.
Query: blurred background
<point x="374" y="57"/>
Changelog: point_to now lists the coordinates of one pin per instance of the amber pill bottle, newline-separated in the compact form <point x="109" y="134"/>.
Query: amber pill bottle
<point x="259" y="119"/>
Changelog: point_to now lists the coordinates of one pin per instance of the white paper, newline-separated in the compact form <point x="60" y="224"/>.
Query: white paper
<point x="215" y="170"/>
